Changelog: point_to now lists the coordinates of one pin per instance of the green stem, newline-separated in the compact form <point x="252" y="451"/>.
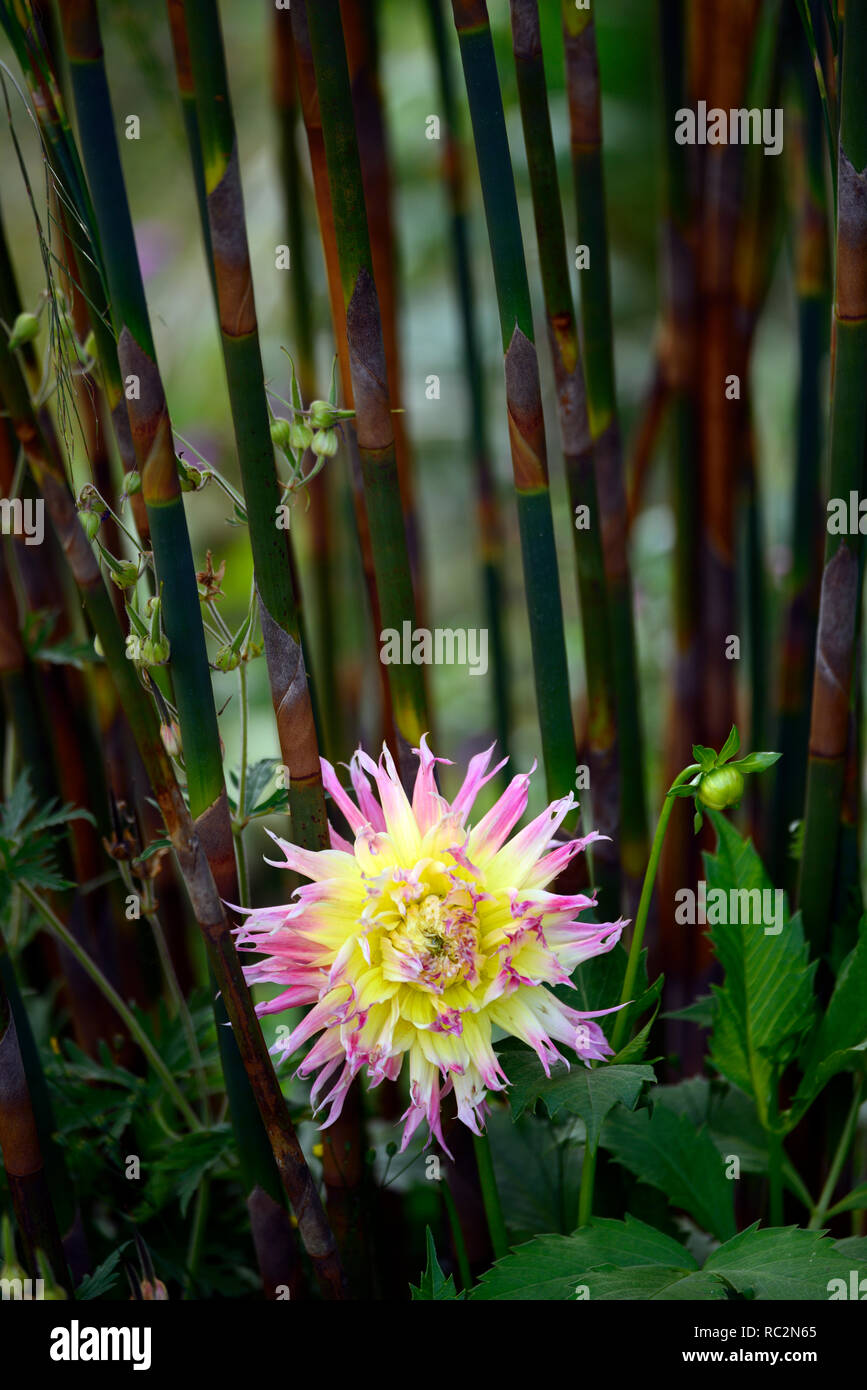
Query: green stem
<point x="775" y="1158"/>
<point x="126" y="1015"/>
<point x="588" y="1178"/>
<point x="490" y="1196"/>
<point x="240" y="852"/>
<point x="620" y="1026"/>
<point x="197" y="1237"/>
<point x="821" y="1208"/>
<point x="183" y="1011"/>
<point x="458" y="1241"/>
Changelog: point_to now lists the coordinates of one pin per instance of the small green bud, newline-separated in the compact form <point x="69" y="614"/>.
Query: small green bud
<point x="155" y="652"/>
<point x="722" y="787"/>
<point x="133" y="647"/>
<point x="171" y="737"/>
<point x="24" y="330"/>
<point x="132" y="482"/>
<point x="300" y="435"/>
<point x="97" y="647"/>
<point x="323" y="415"/>
<point x="324" y="443"/>
<point x="280" y="434"/>
<point x="227" y="659"/>
<point x="90" y="522"/>
<point x="90" y="345"/>
<point x="193" y="476"/>
<point x="125" y="574"/>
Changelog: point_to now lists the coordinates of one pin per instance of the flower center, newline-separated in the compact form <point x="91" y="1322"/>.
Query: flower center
<point x="439" y="940"/>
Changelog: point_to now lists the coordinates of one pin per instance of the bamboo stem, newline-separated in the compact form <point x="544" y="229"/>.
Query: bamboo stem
<point x="577" y="447"/>
<point x="523" y="396"/>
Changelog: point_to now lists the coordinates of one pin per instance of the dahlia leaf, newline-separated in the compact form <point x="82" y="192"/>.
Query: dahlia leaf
<point x="840" y="1041"/>
<point x="666" y="1150"/>
<point x="650" y="1282"/>
<point x="590" y="1093"/>
<point x="779" y="1263"/>
<point x="433" y="1286"/>
<point x="550" y="1267"/>
<point x="103" y="1278"/>
<point x="856" y="1201"/>
<point x="628" y="1260"/>
<point x="539" y="1192"/>
<point x="766" y="1003"/>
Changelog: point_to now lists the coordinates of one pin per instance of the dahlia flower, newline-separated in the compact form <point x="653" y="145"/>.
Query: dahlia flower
<point x="422" y="935"/>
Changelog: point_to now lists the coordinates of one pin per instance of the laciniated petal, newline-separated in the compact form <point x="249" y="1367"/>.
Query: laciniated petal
<point x="399" y="819"/>
<point x="477" y="776"/>
<point x="515" y="859"/>
<point x="367" y="802"/>
<point x="320" y="865"/>
<point x="331" y="782"/>
<point x="547" y="869"/>
<point x="487" y="837"/>
<point x="428" y="806"/>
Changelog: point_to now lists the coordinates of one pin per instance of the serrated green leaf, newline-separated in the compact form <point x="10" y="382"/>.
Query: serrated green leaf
<point x="666" y="1150"/>
<point x="629" y="1260"/>
<point x="589" y="1092"/>
<point x="549" y="1267"/>
<point x="853" y="1247"/>
<point x="537" y="1178"/>
<point x="855" y="1201"/>
<point x="103" y="1278"/>
<point x="779" y="1263"/>
<point x="652" y="1282"/>
<point x="766" y="1003"/>
<point x="434" y="1286"/>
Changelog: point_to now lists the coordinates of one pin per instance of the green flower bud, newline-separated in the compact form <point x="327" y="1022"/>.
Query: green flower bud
<point x="193" y="476"/>
<point x="97" y="647"/>
<point x="722" y="787"/>
<point x="24" y="330"/>
<point x="155" y="652"/>
<point x="90" y="522"/>
<point x="227" y="659"/>
<point x="323" y="415"/>
<point x="280" y="434"/>
<point x="300" y="435"/>
<point x="125" y="575"/>
<point x="133" y="647"/>
<point x="324" y="443"/>
<point x="132" y="482"/>
<point x="171" y="737"/>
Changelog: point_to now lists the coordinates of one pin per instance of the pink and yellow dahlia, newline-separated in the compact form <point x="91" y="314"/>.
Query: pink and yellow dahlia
<point x="425" y="934"/>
